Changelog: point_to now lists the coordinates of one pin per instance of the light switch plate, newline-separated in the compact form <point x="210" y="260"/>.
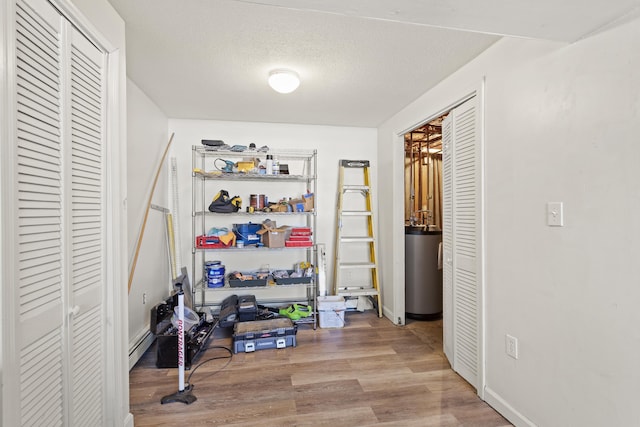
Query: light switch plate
<point x="555" y="214"/>
<point x="511" y="346"/>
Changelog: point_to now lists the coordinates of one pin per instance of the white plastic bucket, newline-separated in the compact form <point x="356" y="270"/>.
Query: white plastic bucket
<point x="331" y="311"/>
<point x="191" y="318"/>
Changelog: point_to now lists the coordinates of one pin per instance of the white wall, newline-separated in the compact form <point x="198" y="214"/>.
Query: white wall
<point x="332" y="143"/>
<point x="561" y="124"/>
<point x="147" y="136"/>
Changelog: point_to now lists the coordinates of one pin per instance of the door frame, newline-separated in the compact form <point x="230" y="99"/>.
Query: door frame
<point x="456" y="99"/>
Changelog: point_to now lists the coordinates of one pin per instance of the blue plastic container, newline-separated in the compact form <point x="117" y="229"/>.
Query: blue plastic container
<point x="247" y="233"/>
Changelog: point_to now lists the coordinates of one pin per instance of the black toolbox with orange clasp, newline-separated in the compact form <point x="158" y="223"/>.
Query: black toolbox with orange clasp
<point x="166" y="333"/>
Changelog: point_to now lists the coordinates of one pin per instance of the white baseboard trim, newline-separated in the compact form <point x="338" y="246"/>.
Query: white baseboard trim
<point x="136" y="351"/>
<point x="505" y="409"/>
<point x="128" y="421"/>
<point x="388" y="314"/>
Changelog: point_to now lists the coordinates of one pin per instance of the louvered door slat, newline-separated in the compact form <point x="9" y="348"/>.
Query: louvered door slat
<point x="87" y="152"/>
<point x="26" y="121"/>
<point x="39" y="250"/>
<point x="87" y="261"/>
<point x="87" y="144"/>
<point x="84" y="124"/>
<point x="31" y="90"/>
<point x="30" y="225"/>
<point x="89" y="106"/>
<point x="88" y="357"/>
<point x="37" y="28"/>
<point x="41" y="381"/>
<point x="31" y="155"/>
<point x="87" y="195"/>
<point x="86" y="79"/>
<point x="48" y="147"/>
<point x="85" y="113"/>
<point x="89" y="70"/>
<point x="34" y="109"/>
<point x="39" y="282"/>
<point x="31" y="169"/>
<point x="35" y="61"/>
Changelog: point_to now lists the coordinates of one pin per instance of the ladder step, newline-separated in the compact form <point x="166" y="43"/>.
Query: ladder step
<point x="357" y="265"/>
<point x="356" y="213"/>
<point x="350" y="188"/>
<point x="354" y="163"/>
<point x="361" y="292"/>
<point x="356" y="239"/>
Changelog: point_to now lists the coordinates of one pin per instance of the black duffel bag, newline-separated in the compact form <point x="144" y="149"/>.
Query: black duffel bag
<point x="222" y="203"/>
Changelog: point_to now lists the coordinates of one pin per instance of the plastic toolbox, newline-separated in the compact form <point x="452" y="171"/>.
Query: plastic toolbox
<point x="263" y="334"/>
<point x="247" y="308"/>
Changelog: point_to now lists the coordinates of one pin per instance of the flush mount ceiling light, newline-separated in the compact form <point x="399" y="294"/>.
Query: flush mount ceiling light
<point x="284" y="81"/>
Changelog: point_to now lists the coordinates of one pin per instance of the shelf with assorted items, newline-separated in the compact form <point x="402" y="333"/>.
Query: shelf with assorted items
<point x="253" y="232"/>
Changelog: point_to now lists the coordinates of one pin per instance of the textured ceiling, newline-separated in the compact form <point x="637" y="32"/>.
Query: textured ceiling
<point x="358" y="61"/>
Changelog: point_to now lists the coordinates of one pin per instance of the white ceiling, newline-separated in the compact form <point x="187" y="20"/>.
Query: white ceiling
<point x="360" y="61"/>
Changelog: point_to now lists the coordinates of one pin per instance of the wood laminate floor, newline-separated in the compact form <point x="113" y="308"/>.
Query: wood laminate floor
<point x="369" y="373"/>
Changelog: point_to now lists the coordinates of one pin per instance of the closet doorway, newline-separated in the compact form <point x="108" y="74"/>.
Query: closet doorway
<point x="459" y="145"/>
<point x="423" y="221"/>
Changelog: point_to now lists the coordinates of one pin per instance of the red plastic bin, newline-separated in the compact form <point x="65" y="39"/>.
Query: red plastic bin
<point x="301" y="231"/>
<point x="210" y="242"/>
<point x="300" y="238"/>
<point x="295" y="243"/>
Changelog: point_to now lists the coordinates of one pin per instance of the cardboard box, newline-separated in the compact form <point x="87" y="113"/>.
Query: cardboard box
<point x="297" y="205"/>
<point x="279" y="207"/>
<point x="302" y="204"/>
<point x="308" y="202"/>
<point x="274" y="238"/>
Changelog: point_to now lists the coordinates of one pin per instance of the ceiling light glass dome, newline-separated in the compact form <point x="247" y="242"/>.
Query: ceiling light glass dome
<point x="284" y="81"/>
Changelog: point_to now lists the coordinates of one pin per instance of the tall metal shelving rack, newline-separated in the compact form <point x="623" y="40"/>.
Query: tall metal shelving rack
<point x="207" y="180"/>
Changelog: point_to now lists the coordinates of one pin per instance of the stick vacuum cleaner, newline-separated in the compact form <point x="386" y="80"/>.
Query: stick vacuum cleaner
<point x="183" y="394"/>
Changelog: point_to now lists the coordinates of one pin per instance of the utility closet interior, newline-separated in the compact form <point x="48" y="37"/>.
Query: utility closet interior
<point x="423" y="175"/>
<point x="423" y="220"/>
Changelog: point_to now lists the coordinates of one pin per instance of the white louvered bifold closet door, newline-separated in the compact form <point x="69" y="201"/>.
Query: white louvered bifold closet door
<point x="87" y="229"/>
<point x="60" y="221"/>
<point x="461" y="243"/>
<point x="40" y="335"/>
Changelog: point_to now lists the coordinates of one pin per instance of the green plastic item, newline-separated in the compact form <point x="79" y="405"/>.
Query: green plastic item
<point x="296" y="311"/>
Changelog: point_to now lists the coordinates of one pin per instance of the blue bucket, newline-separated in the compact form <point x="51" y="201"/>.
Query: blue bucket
<point x="247" y="233"/>
<point x="214" y="274"/>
